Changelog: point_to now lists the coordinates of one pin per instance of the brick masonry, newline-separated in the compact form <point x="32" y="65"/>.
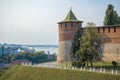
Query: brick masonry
<point x="66" y="32"/>
<point x="110" y="37"/>
<point x="110" y="52"/>
<point x="63" y="50"/>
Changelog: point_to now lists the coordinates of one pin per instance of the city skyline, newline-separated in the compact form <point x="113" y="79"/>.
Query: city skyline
<point x="35" y="22"/>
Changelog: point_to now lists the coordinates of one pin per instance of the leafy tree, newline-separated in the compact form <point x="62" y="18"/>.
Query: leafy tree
<point x="76" y="44"/>
<point x="90" y="47"/>
<point x="114" y="63"/>
<point x="111" y="16"/>
<point x="9" y="57"/>
<point x="36" y="57"/>
<point x="116" y="18"/>
<point x="119" y="20"/>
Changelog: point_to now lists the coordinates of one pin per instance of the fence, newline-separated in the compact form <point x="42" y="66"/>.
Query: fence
<point x="101" y="70"/>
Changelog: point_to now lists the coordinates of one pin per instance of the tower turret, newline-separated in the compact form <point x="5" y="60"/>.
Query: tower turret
<point x="67" y="28"/>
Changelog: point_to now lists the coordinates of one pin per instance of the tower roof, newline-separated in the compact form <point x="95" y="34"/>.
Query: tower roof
<point x="70" y="16"/>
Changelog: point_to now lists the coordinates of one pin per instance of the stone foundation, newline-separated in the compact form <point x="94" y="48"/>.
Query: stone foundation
<point x="64" y="51"/>
<point x="110" y="52"/>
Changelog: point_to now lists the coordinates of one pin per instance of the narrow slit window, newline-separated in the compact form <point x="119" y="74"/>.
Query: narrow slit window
<point x="65" y="25"/>
<point x="103" y="29"/>
<point x="98" y="30"/>
<point x="109" y="29"/>
<point x="71" y="24"/>
<point x="61" y="25"/>
<point x="114" y="28"/>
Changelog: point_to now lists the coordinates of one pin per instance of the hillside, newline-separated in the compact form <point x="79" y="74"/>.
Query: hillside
<point x="38" y="73"/>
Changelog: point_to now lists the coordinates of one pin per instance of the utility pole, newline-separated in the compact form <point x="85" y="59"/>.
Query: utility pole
<point x="117" y="54"/>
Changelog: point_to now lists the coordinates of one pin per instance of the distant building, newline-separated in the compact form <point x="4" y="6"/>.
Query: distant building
<point x="21" y="62"/>
<point x="14" y="49"/>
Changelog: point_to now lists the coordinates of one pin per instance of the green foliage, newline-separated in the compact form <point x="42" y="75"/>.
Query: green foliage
<point x="111" y="16"/>
<point x="114" y="63"/>
<point x="90" y="44"/>
<point x="38" y="73"/>
<point x="75" y="44"/>
<point x="78" y="64"/>
<point x="2" y="71"/>
<point x="9" y="57"/>
<point x="119" y="20"/>
<point x="36" y="57"/>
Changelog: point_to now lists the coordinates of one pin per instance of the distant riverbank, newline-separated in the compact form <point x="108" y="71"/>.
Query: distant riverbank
<point x="46" y="48"/>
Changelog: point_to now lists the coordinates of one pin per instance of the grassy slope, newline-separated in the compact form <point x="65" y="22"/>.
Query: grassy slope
<point x="106" y="65"/>
<point x="37" y="73"/>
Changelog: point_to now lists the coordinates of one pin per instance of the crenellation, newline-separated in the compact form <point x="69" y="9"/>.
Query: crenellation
<point x="110" y="37"/>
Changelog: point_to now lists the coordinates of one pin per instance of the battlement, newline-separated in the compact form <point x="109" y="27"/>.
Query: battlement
<point x="67" y="30"/>
<point x="109" y="34"/>
<point x="110" y="37"/>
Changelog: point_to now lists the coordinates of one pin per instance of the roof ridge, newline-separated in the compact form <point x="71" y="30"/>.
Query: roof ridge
<point x="70" y="16"/>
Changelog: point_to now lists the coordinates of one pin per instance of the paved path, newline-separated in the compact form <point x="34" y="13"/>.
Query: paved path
<point x="47" y="64"/>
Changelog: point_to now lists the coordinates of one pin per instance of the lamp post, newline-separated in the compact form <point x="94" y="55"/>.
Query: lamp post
<point x="66" y="60"/>
<point x="117" y="54"/>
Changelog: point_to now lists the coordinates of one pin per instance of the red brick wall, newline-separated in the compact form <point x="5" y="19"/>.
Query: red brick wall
<point x="109" y="35"/>
<point x="67" y="30"/>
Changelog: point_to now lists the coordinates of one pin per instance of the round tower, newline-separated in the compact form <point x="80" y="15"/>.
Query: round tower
<point x="67" y="28"/>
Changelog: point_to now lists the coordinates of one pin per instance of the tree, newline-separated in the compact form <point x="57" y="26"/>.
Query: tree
<point x="116" y="18"/>
<point x="76" y="44"/>
<point x="90" y="47"/>
<point x="9" y="57"/>
<point x="111" y="16"/>
<point x="119" y="20"/>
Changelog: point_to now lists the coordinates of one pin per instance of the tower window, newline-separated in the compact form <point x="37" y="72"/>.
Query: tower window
<point x="65" y="25"/>
<point x="114" y="28"/>
<point x="61" y="25"/>
<point x="103" y="29"/>
<point x="98" y="30"/>
<point x="109" y="29"/>
<point x="71" y="24"/>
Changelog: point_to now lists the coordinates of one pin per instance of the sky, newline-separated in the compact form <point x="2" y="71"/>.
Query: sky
<point x="35" y="21"/>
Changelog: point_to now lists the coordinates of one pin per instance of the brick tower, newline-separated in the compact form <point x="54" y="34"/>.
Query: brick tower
<point x="67" y="28"/>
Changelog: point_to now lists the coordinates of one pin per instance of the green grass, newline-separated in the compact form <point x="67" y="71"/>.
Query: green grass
<point x="38" y="73"/>
<point x="3" y="70"/>
<point x="107" y="65"/>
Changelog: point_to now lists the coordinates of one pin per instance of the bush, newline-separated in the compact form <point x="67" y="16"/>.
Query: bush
<point x="78" y="64"/>
<point x="74" y="64"/>
<point x="114" y="63"/>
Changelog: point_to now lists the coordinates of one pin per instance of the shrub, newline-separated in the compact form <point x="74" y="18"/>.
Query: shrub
<point x="74" y="64"/>
<point x="114" y="63"/>
<point x="78" y="64"/>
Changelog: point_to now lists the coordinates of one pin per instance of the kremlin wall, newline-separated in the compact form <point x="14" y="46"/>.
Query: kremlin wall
<point x="110" y="37"/>
<point x="110" y="42"/>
